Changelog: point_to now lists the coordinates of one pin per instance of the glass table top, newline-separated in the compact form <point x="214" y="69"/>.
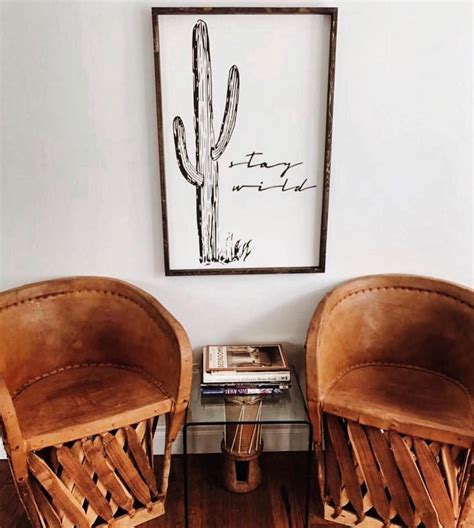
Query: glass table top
<point x="288" y="407"/>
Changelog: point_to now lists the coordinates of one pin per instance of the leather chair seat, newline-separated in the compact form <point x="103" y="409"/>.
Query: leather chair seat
<point x="79" y="401"/>
<point x="405" y="399"/>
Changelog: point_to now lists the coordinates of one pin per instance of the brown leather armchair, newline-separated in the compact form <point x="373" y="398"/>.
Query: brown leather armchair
<point x="87" y="365"/>
<point x="390" y="385"/>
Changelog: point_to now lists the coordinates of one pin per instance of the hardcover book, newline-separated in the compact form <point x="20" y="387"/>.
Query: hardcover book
<point x="209" y="390"/>
<point x="244" y="358"/>
<point x="244" y="363"/>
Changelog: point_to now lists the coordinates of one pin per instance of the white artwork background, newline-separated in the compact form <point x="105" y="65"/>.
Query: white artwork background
<point x="283" y="66"/>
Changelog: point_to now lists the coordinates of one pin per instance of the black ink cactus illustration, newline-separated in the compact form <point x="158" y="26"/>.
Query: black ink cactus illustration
<point x="204" y="175"/>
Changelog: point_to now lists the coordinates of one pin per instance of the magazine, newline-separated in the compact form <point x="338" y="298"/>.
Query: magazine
<point x="209" y="390"/>
<point x="244" y="364"/>
<point x="247" y="358"/>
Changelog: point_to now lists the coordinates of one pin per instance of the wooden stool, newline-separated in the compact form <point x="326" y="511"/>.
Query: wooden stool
<point x="87" y="365"/>
<point x="390" y="384"/>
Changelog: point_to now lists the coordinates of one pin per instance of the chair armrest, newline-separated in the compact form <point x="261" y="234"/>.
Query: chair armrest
<point x="312" y="373"/>
<point x="172" y="359"/>
<point x="176" y="354"/>
<point x="15" y="443"/>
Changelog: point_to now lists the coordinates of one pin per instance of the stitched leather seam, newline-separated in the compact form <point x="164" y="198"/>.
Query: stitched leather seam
<point x="403" y="288"/>
<point x="41" y="298"/>
<point x="72" y="292"/>
<point x="146" y="375"/>
<point x="399" y="365"/>
<point x="45" y="297"/>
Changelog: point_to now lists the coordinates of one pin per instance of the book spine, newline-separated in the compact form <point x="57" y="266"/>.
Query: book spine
<point x="224" y="386"/>
<point x="247" y="377"/>
<point x="205" y="391"/>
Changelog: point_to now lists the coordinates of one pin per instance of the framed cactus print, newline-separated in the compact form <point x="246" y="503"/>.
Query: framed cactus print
<point x="244" y="110"/>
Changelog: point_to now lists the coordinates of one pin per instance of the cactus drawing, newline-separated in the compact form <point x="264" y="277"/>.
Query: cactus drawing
<point x="204" y="174"/>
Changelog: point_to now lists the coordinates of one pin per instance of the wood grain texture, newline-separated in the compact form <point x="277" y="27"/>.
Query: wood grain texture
<point x="71" y="470"/>
<point x="93" y="453"/>
<point x="12" y="514"/>
<point x="58" y="491"/>
<point x="278" y="502"/>
<point x="51" y="457"/>
<point x="349" y="518"/>
<point x="125" y="521"/>
<point x="333" y="478"/>
<point x="119" y="459"/>
<point x="450" y="474"/>
<point x="141" y="459"/>
<point x="15" y="444"/>
<point x="402" y="479"/>
<point x="346" y="464"/>
<point x="414" y="482"/>
<point x="435" y="483"/>
<point x="368" y="466"/>
<point x="84" y="483"/>
<point x="393" y="479"/>
<point x="466" y="518"/>
<point x="48" y="512"/>
<point x="243" y="10"/>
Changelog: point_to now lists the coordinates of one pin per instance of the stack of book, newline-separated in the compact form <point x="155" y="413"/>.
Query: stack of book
<point x="244" y="370"/>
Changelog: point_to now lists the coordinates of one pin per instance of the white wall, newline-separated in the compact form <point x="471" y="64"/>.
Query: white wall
<point x="80" y="159"/>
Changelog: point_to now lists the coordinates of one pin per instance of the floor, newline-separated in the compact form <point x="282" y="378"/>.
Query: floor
<point x="278" y="502"/>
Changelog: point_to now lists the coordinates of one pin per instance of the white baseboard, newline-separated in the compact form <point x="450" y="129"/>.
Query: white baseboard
<point x="208" y="439"/>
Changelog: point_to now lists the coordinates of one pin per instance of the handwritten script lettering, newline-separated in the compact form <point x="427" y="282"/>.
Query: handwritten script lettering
<point x="264" y="165"/>
<point x="285" y="167"/>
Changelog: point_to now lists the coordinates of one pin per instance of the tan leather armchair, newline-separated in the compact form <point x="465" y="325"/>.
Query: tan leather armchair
<point x="390" y="388"/>
<point x="87" y="365"/>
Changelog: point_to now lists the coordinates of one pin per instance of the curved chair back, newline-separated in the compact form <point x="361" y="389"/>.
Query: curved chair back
<point x="391" y="319"/>
<point x="53" y="325"/>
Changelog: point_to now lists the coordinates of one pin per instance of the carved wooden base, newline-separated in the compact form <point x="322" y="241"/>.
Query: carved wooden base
<point x="242" y="473"/>
<point x="242" y="444"/>
<point x="98" y="480"/>
<point x="375" y="478"/>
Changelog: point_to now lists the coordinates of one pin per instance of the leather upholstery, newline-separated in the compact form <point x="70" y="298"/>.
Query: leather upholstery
<point x="405" y="399"/>
<point x="407" y="321"/>
<point x="56" y="324"/>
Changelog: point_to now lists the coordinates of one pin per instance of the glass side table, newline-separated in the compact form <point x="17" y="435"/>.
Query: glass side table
<point x="287" y="409"/>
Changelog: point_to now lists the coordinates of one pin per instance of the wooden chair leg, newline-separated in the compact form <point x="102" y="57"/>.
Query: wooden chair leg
<point x="17" y="456"/>
<point x="173" y="423"/>
<point x="28" y="500"/>
<point x="166" y="468"/>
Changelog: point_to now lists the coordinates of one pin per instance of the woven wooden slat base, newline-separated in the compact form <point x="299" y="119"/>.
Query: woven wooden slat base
<point x="103" y="480"/>
<point x="374" y="478"/>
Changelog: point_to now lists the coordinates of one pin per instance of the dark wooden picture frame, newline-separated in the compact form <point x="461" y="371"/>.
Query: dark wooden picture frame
<point x="192" y="174"/>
